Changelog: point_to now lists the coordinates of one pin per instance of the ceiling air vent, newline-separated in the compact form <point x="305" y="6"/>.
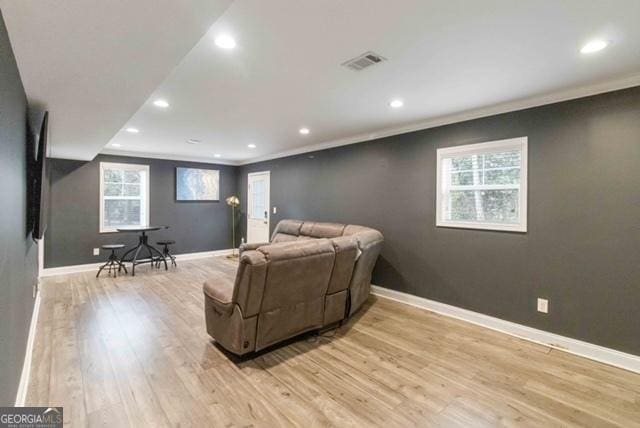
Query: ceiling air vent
<point x="363" y="61"/>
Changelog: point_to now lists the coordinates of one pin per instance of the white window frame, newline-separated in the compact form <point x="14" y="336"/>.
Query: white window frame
<point x="145" y="189"/>
<point x="511" y="144"/>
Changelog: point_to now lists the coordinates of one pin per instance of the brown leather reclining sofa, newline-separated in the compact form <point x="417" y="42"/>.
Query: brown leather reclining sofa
<point x="309" y="276"/>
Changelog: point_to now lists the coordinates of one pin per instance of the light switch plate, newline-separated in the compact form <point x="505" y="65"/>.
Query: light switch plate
<point x="96" y="251"/>
<point x="275" y="210"/>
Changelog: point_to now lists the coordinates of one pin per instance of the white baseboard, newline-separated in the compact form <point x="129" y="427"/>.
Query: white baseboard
<point x="584" y="349"/>
<point x="203" y="255"/>
<point x="21" y="396"/>
<point x="65" y="270"/>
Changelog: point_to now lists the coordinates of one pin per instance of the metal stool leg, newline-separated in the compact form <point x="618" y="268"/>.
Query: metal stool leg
<point x="164" y="253"/>
<point x="135" y="259"/>
<point x="161" y="258"/>
<point x="111" y="264"/>
<point x="100" y="270"/>
<point x="167" y="254"/>
<point x="122" y="266"/>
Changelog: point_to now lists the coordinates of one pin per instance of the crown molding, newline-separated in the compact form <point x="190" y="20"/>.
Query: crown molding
<point x="522" y="104"/>
<point x="500" y="108"/>
<point x="165" y="156"/>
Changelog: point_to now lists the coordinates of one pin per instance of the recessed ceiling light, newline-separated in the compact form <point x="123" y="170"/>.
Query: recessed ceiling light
<point x="132" y="130"/>
<point x="252" y="146"/>
<point x="304" y="131"/>
<point x="396" y="103"/>
<point x="594" y="46"/>
<point x="116" y="145"/>
<point x="193" y="141"/>
<point x="217" y="155"/>
<point x="225" y="41"/>
<point x="161" y="103"/>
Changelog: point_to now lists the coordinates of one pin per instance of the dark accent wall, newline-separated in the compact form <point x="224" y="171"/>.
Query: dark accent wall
<point x="18" y="253"/>
<point x="74" y="222"/>
<point x="582" y="248"/>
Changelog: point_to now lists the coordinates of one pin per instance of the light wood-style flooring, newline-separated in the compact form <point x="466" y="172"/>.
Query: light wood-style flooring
<point x="133" y="351"/>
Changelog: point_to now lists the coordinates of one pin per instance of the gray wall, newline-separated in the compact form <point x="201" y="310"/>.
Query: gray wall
<point x="582" y="249"/>
<point x="74" y="216"/>
<point x="18" y="253"/>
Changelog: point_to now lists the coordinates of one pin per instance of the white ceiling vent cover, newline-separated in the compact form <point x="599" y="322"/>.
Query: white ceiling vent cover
<point x="363" y="61"/>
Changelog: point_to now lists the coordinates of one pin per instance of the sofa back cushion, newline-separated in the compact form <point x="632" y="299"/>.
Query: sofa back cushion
<point x="346" y="248"/>
<point x="297" y="271"/>
<point x="250" y="279"/>
<point x="297" y="280"/>
<point x="283" y="237"/>
<point x="321" y="230"/>
<point x="286" y="230"/>
<point x="368" y="243"/>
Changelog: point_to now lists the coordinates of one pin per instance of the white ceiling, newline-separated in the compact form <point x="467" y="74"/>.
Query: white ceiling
<point x="445" y="57"/>
<point x="92" y="63"/>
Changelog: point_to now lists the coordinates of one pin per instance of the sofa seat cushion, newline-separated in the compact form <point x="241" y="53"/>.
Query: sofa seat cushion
<point x="220" y="291"/>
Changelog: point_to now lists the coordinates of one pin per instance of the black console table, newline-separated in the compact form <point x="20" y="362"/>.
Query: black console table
<point x="143" y="243"/>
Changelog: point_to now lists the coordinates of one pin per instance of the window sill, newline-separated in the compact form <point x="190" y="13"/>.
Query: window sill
<point x="517" y="228"/>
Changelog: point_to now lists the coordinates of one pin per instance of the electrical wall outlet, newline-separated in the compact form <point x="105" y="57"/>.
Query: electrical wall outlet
<point x="275" y="210"/>
<point x="543" y="306"/>
<point x="96" y="251"/>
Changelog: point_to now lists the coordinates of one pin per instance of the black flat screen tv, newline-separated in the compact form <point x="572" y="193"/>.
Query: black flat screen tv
<point x="39" y="177"/>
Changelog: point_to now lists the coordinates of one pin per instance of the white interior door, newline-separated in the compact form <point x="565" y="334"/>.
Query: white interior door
<point x="258" y="206"/>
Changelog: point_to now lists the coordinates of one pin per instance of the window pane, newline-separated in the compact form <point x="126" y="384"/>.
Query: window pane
<point x="258" y="202"/>
<point x="464" y="178"/>
<point x="113" y="175"/>
<point x="502" y="176"/>
<point x="465" y="164"/>
<point x="491" y="206"/>
<point x="497" y="160"/>
<point x="461" y="163"/>
<point x="121" y="212"/>
<point x="131" y="190"/>
<point x="112" y="189"/>
<point x="501" y="206"/>
<point x="132" y="176"/>
<point x="462" y="206"/>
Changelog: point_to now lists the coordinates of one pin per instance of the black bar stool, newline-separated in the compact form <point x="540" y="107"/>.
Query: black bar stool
<point x="165" y="251"/>
<point x="113" y="262"/>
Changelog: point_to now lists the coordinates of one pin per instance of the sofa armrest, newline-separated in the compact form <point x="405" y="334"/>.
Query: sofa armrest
<point x="251" y="246"/>
<point x="219" y="290"/>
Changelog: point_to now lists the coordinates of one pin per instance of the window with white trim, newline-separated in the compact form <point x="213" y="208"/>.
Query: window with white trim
<point x="483" y="186"/>
<point x="124" y="195"/>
